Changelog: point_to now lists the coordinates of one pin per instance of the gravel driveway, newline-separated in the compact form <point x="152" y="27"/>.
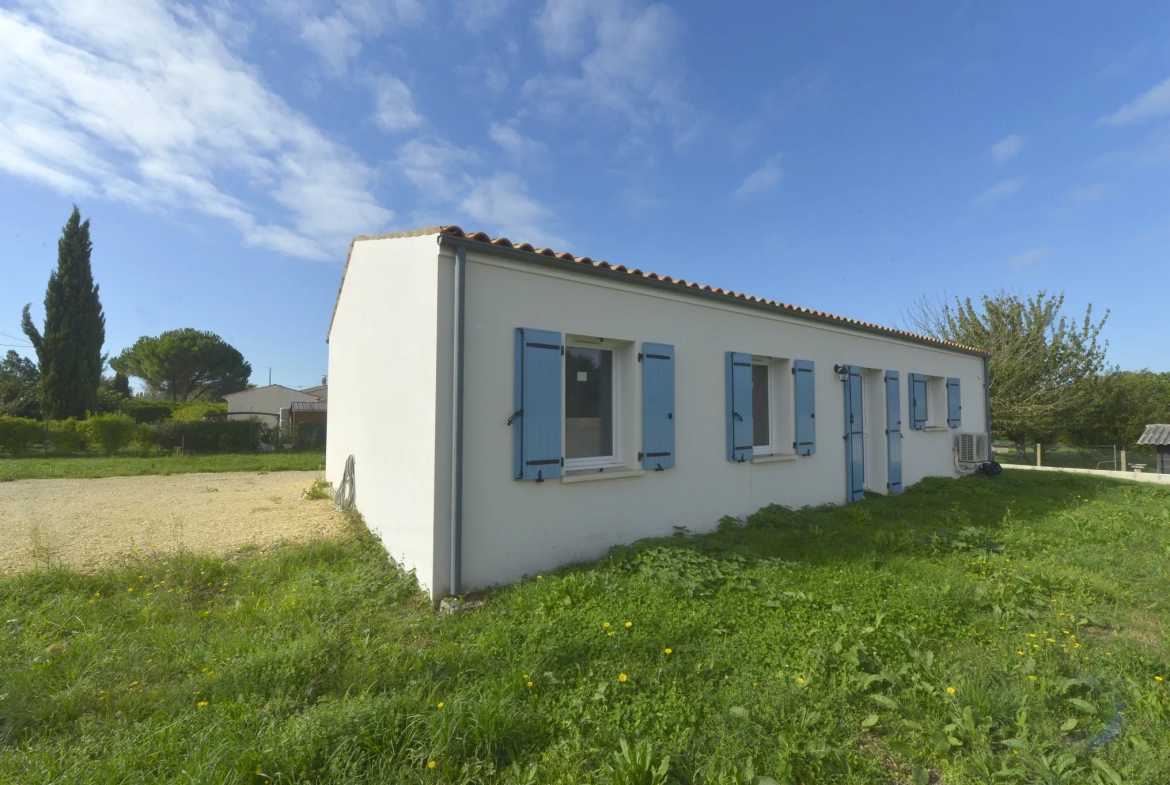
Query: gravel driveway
<point x="94" y="524"/>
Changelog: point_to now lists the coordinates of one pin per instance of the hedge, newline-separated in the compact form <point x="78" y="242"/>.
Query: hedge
<point x="110" y="432"/>
<point x="17" y="433"/>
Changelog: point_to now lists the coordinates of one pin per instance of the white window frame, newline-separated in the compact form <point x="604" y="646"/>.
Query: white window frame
<point x="936" y="401"/>
<point x="602" y="461"/>
<point x="769" y="448"/>
<point x="781" y="424"/>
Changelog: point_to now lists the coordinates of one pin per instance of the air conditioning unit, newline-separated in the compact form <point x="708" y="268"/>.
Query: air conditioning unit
<point x="972" y="447"/>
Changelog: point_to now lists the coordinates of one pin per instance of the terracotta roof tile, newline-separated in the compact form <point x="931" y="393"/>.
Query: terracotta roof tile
<point x="585" y="260"/>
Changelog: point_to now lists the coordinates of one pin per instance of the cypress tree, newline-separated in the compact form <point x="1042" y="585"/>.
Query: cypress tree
<point x="69" y="351"/>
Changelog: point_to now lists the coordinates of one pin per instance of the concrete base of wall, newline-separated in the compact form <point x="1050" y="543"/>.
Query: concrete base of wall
<point x="1162" y="479"/>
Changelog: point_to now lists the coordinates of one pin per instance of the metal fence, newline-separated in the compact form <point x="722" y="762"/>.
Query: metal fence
<point x="1110" y="457"/>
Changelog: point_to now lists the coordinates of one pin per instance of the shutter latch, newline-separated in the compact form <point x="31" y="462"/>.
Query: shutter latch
<point x="517" y="413"/>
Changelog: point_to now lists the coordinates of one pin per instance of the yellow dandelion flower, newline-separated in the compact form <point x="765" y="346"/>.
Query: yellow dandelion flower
<point x="1051" y="640"/>
<point x="606" y="624"/>
<point x="201" y="704"/>
<point x="1032" y="678"/>
<point x="667" y="651"/>
<point x="622" y="677"/>
<point x="610" y="633"/>
<point x="950" y="690"/>
<point x="629" y="624"/>
<point x="800" y="680"/>
<point x="440" y="704"/>
<point x="529" y="684"/>
<point x="430" y="764"/>
<point x="1157" y="678"/>
<point x="526" y="675"/>
<point x="540" y="577"/>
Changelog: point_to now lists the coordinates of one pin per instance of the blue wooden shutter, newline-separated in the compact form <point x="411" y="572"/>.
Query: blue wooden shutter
<point x="954" y="405"/>
<point x="739" y="406"/>
<point x="893" y="433"/>
<point x="854" y="435"/>
<point x="805" y="400"/>
<point x="537" y="420"/>
<point x="657" y="405"/>
<point x="917" y="390"/>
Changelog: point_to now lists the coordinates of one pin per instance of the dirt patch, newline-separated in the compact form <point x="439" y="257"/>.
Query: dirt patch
<point x="91" y="525"/>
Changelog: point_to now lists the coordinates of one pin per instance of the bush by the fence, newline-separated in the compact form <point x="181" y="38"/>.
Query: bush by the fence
<point x="110" y="432"/>
<point x="66" y="435"/>
<point x="209" y="435"/>
<point x="152" y="411"/>
<point x="18" y="433"/>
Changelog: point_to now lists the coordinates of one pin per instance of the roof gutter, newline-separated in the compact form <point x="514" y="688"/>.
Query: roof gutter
<point x="529" y="257"/>
<point x="458" y="311"/>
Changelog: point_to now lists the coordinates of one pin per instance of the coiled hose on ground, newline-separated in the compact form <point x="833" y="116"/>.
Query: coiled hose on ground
<point x="343" y="498"/>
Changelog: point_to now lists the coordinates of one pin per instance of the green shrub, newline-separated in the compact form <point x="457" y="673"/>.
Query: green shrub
<point x="110" y="432"/>
<point x="209" y="436"/>
<point x="66" y="435"/>
<point x="17" y="433"/>
<point x="145" y="437"/>
<point x="193" y="411"/>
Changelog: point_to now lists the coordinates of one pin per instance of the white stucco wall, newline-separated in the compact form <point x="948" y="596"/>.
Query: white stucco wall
<point x="512" y="528"/>
<point x="270" y="398"/>
<point x="383" y="366"/>
<point x="390" y="378"/>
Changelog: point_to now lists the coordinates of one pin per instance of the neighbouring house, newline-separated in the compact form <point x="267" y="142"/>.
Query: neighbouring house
<point x="1158" y="435"/>
<point x="512" y="409"/>
<point x="265" y="403"/>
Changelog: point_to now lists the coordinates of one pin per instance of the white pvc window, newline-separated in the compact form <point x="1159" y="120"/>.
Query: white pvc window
<point x="773" y="418"/>
<point x="592" y="394"/>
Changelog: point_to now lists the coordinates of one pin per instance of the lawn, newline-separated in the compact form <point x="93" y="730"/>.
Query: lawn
<point x="1008" y="629"/>
<point x="89" y="466"/>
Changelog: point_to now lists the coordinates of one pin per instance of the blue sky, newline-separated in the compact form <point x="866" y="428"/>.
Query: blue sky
<point x="845" y="157"/>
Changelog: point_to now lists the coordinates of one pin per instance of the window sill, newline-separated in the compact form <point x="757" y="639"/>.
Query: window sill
<point x="589" y="475"/>
<point x="937" y="429"/>
<point x="774" y="457"/>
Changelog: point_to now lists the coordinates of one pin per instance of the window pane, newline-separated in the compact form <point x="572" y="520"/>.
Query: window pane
<point x="761" y="424"/>
<point x="588" y="403"/>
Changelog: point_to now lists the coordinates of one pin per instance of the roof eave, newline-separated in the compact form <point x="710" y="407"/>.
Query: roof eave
<point x="533" y="257"/>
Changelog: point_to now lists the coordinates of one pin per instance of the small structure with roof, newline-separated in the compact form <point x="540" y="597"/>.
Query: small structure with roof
<point x="510" y="409"/>
<point x="268" y="402"/>
<point x="1159" y="436"/>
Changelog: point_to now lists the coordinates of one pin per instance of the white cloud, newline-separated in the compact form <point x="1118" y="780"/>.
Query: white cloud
<point x="763" y="179"/>
<point x="394" y="105"/>
<point x="520" y="149"/>
<point x="1000" y="190"/>
<point x="502" y="201"/>
<point x="1089" y="193"/>
<point x="1029" y="258"/>
<point x="1007" y="148"/>
<point x="1153" y="103"/>
<point x="452" y="190"/>
<point x="336" y="29"/>
<point x="628" y="63"/>
<point x="435" y="167"/>
<point x="149" y="106"/>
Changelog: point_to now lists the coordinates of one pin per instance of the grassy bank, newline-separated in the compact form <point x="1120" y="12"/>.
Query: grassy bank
<point x="86" y="466"/>
<point x="986" y="630"/>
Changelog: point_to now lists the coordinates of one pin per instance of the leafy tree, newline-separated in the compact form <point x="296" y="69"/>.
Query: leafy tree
<point x="1119" y="405"/>
<point x="1040" y="359"/>
<point x="69" y="351"/>
<point x="185" y="364"/>
<point x="121" y="385"/>
<point x="19" y="387"/>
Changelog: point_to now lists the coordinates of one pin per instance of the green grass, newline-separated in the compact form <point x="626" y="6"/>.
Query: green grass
<point x="818" y="646"/>
<point x="78" y="466"/>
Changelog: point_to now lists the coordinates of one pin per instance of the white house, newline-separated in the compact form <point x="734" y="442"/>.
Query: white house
<point x="511" y="409"/>
<point x="265" y="403"/>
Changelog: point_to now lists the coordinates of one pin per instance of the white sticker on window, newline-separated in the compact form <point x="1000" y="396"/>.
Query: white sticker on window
<point x="582" y="376"/>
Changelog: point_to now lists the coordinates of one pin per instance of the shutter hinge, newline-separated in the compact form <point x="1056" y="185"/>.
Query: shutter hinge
<point x="660" y="469"/>
<point x="639" y="456"/>
<point x="562" y="351"/>
<point x="639" y="357"/>
<point x="562" y="461"/>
